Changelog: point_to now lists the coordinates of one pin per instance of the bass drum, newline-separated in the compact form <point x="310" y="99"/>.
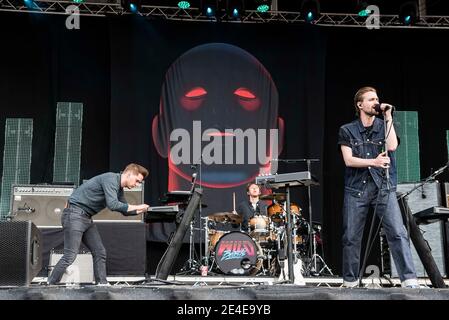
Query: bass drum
<point x="237" y="254"/>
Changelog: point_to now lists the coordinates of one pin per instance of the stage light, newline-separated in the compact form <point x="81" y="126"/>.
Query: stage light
<point x="408" y="13"/>
<point x="234" y="8"/>
<point x="78" y="1"/>
<point x="184" y="5"/>
<point x="29" y="4"/>
<point x="361" y="9"/>
<point x="310" y="10"/>
<point x="209" y="8"/>
<point x="263" y="6"/>
<point x="132" y="6"/>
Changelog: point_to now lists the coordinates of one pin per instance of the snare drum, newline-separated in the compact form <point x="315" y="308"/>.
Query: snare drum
<point x="259" y="224"/>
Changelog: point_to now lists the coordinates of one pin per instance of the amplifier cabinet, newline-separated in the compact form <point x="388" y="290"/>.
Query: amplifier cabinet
<point x="41" y="204"/>
<point x="132" y="196"/>
<point x="427" y="196"/>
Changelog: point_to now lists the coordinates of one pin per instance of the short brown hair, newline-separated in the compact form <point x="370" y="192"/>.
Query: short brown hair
<point x="250" y="184"/>
<point x="359" y="97"/>
<point x="136" y="168"/>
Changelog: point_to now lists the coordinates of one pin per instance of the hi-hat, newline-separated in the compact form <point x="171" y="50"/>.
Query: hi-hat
<point x="274" y="196"/>
<point x="224" y="217"/>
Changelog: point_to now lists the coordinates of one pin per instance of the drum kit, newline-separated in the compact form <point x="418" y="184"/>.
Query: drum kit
<point x="262" y="249"/>
<point x="274" y="239"/>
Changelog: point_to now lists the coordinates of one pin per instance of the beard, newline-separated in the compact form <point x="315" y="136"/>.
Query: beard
<point x="371" y="112"/>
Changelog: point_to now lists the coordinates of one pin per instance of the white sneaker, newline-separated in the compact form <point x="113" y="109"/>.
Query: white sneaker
<point x="410" y="283"/>
<point x="107" y="284"/>
<point x="350" y="284"/>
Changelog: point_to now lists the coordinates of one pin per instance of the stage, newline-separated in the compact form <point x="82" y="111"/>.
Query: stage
<point x="225" y="288"/>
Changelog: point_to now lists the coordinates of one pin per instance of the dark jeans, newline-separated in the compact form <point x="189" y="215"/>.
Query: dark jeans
<point x="78" y="226"/>
<point x="355" y="210"/>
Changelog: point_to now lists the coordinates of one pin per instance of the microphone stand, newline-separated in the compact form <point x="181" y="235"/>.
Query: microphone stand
<point x="387" y="179"/>
<point x="312" y="267"/>
<point x="428" y="179"/>
<point x="387" y="169"/>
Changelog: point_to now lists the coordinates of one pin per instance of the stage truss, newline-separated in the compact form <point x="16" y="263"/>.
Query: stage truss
<point x="193" y="14"/>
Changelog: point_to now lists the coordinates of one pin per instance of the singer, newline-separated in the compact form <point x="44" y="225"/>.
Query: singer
<point x="362" y="143"/>
<point x="104" y="190"/>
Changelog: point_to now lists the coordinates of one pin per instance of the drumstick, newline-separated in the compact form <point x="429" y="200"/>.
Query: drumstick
<point x="233" y="202"/>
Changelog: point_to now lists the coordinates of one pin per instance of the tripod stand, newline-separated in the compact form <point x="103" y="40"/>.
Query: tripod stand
<point x="191" y="266"/>
<point x="312" y="268"/>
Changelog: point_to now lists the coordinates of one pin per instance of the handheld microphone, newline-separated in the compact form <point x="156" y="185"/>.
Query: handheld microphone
<point x="379" y="109"/>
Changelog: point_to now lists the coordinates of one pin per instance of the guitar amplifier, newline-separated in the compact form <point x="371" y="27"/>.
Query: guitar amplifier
<point x="132" y="196"/>
<point x="41" y="204"/>
<point x="427" y="196"/>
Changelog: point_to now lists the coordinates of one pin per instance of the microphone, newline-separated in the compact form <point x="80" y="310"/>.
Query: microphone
<point x="439" y="171"/>
<point x="423" y="193"/>
<point x="379" y="109"/>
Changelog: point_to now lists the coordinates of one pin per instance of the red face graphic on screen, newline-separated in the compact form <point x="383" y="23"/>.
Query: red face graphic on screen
<point x="224" y="88"/>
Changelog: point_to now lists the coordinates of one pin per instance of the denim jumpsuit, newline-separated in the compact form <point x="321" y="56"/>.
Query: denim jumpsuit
<point x="362" y="187"/>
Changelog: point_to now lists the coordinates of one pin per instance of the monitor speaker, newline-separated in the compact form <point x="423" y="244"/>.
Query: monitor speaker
<point x="20" y="252"/>
<point x="41" y="204"/>
<point x="132" y="196"/>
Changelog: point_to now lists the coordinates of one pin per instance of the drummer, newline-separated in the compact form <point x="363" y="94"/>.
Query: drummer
<point x="252" y="206"/>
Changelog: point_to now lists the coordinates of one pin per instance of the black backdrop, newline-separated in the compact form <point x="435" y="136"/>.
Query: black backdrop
<point x="116" y="67"/>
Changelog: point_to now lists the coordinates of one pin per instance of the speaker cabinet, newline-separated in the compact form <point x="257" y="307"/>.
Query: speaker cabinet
<point x="41" y="204"/>
<point x="132" y="196"/>
<point x="125" y="245"/>
<point x="422" y="198"/>
<point x="20" y="252"/>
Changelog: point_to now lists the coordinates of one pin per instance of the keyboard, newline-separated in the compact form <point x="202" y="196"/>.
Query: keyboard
<point x="176" y="196"/>
<point x="161" y="214"/>
<point x="164" y="209"/>
<point x="432" y="214"/>
<point x="292" y="179"/>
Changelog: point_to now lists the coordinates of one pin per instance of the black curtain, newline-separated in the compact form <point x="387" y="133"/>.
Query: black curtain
<point x="42" y="63"/>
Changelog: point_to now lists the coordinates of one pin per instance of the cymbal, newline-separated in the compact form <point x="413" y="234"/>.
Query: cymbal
<point x="274" y="196"/>
<point x="226" y="217"/>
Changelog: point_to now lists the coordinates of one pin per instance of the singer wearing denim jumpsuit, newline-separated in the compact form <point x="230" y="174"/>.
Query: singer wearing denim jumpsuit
<point x="366" y="186"/>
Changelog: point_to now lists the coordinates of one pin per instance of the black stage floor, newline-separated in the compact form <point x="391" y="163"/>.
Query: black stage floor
<point x="225" y="288"/>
